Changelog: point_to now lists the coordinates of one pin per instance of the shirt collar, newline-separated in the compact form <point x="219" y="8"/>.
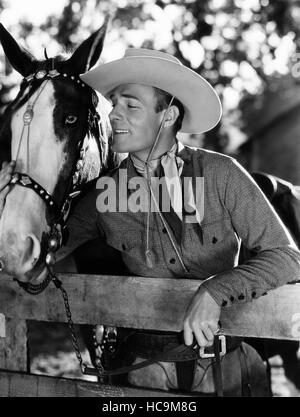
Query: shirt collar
<point x="184" y="153"/>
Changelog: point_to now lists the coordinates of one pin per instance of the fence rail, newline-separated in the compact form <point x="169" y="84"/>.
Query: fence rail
<point x="135" y="302"/>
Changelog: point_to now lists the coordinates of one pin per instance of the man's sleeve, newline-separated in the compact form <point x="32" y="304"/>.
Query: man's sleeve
<point x="277" y="259"/>
<point x="83" y="224"/>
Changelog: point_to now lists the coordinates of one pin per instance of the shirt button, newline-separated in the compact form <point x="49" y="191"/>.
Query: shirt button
<point x="214" y="240"/>
<point x="253" y="295"/>
<point x="224" y="304"/>
<point x="231" y="298"/>
<point x="241" y="297"/>
<point x="164" y="230"/>
<point x="172" y="261"/>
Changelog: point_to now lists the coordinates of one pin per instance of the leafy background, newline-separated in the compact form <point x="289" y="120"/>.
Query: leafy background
<point x="242" y="47"/>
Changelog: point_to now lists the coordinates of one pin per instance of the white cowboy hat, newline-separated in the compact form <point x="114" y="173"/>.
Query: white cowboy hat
<point x="158" y="69"/>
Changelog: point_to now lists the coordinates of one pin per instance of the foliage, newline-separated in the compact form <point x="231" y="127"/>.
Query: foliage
<point x="237" y="45"/>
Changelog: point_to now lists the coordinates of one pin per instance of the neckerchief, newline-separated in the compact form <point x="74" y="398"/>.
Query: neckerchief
<point x="172" y="165"/>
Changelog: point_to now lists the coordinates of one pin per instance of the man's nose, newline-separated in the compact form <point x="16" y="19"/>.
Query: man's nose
<point x="115" y="114"/>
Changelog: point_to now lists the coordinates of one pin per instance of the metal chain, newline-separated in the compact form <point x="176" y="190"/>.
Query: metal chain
<point x="35" y="289"/>
<point x="57" y="282"/>
<point x="74" y="340"/>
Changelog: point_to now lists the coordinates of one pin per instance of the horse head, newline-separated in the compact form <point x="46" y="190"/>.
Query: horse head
<point x="53" y="130"/>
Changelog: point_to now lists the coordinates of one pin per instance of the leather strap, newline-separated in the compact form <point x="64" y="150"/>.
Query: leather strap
<point x="26" y="181"/>
<point x="185" y="367"/>
<point x="245" y="377"/>
<point x="185" y="372"/>
<point x="178" y="350"/>
<point x="217" y="369"/>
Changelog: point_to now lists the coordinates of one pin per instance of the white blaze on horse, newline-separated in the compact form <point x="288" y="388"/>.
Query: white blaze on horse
<point x="52" y="131"/>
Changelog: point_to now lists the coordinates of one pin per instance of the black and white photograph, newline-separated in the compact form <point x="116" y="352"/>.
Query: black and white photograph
<point x="149" y="201"/>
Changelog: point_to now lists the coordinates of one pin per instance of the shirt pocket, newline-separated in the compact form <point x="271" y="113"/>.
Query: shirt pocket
<point x="216" y="233"/>
<point x="220" y="246"/>
<point x="124" y="243"/>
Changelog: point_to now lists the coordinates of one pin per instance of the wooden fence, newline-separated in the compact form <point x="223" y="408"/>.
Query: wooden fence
<point x="135" y="302"/>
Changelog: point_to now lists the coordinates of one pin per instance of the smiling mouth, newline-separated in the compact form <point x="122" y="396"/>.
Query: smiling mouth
<point x="120" y="131"/>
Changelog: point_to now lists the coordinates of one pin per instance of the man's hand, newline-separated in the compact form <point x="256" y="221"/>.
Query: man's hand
<point x="5" y="177"/>
<point x="201" y="319"/>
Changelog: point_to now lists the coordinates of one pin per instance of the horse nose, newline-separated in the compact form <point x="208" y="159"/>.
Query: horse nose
<point x="32" y="250"/>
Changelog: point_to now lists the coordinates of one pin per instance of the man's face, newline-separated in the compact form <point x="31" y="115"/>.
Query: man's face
<point x="133" y="118"/>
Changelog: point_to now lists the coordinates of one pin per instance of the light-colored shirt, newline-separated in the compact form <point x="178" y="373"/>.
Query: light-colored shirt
<point x="235" y="210"/>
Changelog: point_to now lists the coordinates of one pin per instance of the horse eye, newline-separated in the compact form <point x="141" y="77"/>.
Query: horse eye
<point x="70" y="120"/>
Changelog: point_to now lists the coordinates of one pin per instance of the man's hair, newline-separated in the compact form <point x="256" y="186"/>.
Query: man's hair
<point x="162" y="101"/>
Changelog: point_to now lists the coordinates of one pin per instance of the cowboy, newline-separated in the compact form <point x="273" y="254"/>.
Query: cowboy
<point x="213" y="206"/>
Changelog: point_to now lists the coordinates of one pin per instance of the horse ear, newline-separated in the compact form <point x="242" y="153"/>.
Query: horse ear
<point x="21" y="60"/>
<point x="88" y="53"/>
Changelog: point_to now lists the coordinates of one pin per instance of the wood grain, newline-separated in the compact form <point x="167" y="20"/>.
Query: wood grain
<point x="150" y="303"/>
<point x="24" y="385"/>
<point x="13" y="347"/>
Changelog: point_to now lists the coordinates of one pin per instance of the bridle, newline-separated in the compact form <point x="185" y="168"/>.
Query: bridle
<point x="57" y="213"/>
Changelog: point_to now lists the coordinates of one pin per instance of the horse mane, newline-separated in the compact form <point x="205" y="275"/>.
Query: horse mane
<point x="94" y="163"/>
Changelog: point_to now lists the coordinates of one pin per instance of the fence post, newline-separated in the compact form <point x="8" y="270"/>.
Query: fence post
<point x="13" y="346"/>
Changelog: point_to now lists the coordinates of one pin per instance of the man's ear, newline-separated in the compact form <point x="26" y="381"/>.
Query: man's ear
<point x="172" y="116"/>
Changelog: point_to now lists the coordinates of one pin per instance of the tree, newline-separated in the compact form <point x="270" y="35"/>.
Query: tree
<point x="237" y="45"/>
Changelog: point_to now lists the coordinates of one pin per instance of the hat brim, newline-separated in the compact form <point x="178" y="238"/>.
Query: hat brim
<point x="201" y="103"/>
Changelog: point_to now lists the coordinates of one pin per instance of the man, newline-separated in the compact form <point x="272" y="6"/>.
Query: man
<point x="153" y="96"/>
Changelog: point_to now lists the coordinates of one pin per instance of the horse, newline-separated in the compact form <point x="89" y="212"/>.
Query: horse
<point x="61" y="146"/>
<point x="54" y="132"/>
<point x="285" y="199"/>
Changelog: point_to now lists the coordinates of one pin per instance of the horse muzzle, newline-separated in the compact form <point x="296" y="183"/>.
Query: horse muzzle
<point x="19" y="256"/>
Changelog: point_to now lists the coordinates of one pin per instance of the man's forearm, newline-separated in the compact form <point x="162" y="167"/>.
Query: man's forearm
<point x="267" y="270"/>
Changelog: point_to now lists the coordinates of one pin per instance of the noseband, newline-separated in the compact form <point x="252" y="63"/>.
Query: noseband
<point x="58" y="215"/>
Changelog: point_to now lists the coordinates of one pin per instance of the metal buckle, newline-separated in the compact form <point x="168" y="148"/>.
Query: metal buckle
<point x="25" y="180"/>
<point x="15" y="178"/>
<point x="53" y="73"/>
<point x="111" y="334"/>
<point x="40" y="74"/>
<point x="74" y="194"/>
<point x="222" y="340"/>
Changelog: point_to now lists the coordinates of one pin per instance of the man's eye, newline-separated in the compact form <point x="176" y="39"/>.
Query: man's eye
<point x="70" y="120"/>
<point x="131" y="106"/>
